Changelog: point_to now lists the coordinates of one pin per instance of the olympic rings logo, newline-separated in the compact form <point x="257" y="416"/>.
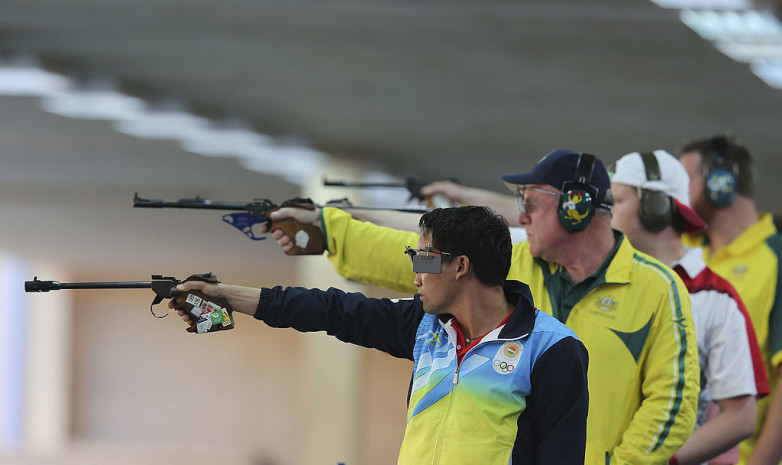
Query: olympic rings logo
<point x="504" y="367"/>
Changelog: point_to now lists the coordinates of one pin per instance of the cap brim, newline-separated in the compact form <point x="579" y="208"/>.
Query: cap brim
<point x="693" y="223"/>
<point x="521" y="179"/>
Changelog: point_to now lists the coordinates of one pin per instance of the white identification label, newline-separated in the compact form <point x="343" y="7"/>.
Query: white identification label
<point x="302" y="239"/>
<point x="193" y="300"/>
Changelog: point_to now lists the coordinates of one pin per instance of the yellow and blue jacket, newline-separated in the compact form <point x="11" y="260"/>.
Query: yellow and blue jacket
<point x="634" y="319"/>
<point x="518" y="397"/>
<point x="752" y="263"/>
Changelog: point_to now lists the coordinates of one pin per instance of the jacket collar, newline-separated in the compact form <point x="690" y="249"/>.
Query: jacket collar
<point x="616" y="268"/>
<point x="692" y="262"/>
<point x="621" y="266"/>
<point x="749" y="239"/>
<point x="522" y="320"/>
<point x="753" y="236"/>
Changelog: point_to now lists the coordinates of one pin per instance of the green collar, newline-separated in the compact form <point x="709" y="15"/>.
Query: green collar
<point x="564" y="295"/>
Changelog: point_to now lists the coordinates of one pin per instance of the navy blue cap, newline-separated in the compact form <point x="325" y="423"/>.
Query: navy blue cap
<point x="558" y="168"/>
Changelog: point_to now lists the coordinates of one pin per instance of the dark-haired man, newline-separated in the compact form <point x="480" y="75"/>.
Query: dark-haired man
<point x="742" y="245"/>
<point x="495" y="380"/>
<point x="631" y="311"/>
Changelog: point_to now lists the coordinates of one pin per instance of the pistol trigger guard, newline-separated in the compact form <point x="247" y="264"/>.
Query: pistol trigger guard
<point x="157" y="300"/>
<point x="246" y="223"/>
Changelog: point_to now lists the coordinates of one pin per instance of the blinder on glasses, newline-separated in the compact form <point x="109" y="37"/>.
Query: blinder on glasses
<point x="426" y="260"/>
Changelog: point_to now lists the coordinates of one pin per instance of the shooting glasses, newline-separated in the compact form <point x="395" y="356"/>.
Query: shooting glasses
<point x="524" y="205"/>
<point x="426" y="260"/>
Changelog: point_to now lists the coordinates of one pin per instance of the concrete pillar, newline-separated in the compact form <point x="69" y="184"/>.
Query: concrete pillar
<point x="13" y="351"/>
<point x="35" y="359"/>
<point x="49" y="364"/>
<point x="332" y="381"/>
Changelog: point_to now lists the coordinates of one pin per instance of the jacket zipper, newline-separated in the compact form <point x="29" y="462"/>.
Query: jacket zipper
<point x="445" y="422"/>
<point x="453" y="392"/>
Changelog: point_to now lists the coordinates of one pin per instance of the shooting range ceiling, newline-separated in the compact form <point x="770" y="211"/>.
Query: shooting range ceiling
<point x="436" y="89"/>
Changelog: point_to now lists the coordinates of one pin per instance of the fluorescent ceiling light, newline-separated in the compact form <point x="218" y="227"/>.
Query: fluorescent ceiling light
<point x="743" y="26"/>
<point x="165" y="124"/>
<point x="100" y="100"/>
<point x="30" y="81"/>
<point x="293" y="163"/>
<point x="751" y="53"/>
<point x="771" y="73"/>
<point x="93" y="104"/>
<point x="738" y="30"/>
<point x="700" y="4"/>
<point x="222" y="142"/>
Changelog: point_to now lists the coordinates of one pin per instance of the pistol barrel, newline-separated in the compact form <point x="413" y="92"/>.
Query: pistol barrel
<point x="37" y="285"/>
<point x="391" y="185"/>
<point x="196" y="203"/>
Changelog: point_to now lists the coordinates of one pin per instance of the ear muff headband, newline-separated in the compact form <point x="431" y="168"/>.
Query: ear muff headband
<point x="654" y="207"/>
<point x="721" y="184"/>
<point x="576" y="204"/>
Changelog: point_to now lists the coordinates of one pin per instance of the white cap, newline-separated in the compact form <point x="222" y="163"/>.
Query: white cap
<point x="674" y="182"/>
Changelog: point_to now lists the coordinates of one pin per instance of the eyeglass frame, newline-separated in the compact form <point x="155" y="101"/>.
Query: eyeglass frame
<point x="430" y="263"/>
<point x="519" y="193"/>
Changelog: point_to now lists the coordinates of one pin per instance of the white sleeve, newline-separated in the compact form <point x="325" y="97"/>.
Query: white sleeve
<point x="722" y="333"/>
<point x="518" y="235"/>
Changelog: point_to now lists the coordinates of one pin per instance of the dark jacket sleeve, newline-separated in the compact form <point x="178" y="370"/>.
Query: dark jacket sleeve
<point x="383" y="324"/>
<point x="559" y="403"/>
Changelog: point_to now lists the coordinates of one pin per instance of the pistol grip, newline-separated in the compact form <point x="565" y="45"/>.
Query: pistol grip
<point x="209" y="313"/>
<point x="308" y="238"/>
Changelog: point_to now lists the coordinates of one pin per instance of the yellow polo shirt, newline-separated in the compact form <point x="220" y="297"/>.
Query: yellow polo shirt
<point x="751" y="263"/>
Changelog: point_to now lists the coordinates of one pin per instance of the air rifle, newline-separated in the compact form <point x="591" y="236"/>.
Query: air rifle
<point x="209" y="313"/>
<point x="413" y="186"/>
<point x="307" y="238"/>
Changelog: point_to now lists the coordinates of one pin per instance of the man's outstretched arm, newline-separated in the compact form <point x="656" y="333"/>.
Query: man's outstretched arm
<point x="359" y="250"/>
<point x="382" y="324"/>
<point x="503" y="204"/>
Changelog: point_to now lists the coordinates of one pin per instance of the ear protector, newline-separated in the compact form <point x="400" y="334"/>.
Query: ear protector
<point x="577" y="202"/>
<point x="721" y="183"/>
<point x="655" y="208"/>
